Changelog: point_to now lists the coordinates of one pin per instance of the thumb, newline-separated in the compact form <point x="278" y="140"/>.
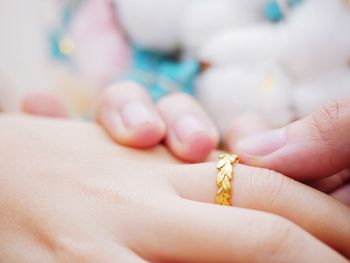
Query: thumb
<point x="312" y="148"/>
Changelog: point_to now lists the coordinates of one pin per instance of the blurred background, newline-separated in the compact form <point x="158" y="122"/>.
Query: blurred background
<point x="23" y="52"/>
<point x="279" y="58"/>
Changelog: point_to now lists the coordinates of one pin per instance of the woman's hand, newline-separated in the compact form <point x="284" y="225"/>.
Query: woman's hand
<point x="67" y="194"/>
<point x="129" y="116"/>
<point x="314" y="150"/>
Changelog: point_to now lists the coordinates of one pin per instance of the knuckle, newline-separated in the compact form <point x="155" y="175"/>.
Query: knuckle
<point x="329" y="119"/>
<point x="268" y="183"/>
<point x="276" y="237"/>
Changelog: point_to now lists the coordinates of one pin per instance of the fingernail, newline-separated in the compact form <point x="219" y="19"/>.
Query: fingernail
<point x="188" y="125"/>
<point x="262" y="144"/>
<point x="137" y="113"/>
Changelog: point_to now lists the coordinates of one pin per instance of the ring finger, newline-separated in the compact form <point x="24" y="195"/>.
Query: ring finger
<point x="210" y="233"/>
<point x="267" y="191"/>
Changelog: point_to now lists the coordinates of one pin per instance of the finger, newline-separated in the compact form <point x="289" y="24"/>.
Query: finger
<point x="343" y="194"/>
<point x="44" y="104"/>
<point x="331" y="183"/>
<point x="310" y="149"/>
<point x="210" y="233"/>
<point x="191" y="135"/>
<point x="271" y="192"/>
<point x="243" y="126"/>
<point x="127" y="113"/>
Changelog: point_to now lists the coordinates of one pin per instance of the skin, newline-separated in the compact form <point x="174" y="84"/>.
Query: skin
<point x="321" y="138"/>
<point x="315" y="149"/>
<point x="68" y="194"/>
<point x="131" y="118"/>
<point x="177" y="118"/>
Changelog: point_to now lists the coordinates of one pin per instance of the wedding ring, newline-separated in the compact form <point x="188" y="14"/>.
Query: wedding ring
<point x="225" y="167"/>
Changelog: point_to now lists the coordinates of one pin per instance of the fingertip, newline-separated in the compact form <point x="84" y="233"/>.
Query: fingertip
<point x="129" y="133"/>
<point x="309" y="149"/>
<point x="243" y="126"/>
<point x="196" y="148"/>
<point x="127" y="113"/>
<point x="191" y="135"/>
<point x="145" y="136"/>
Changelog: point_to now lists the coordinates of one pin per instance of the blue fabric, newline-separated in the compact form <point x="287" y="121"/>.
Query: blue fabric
<point x="293" y="3"/>
<point x="162" y="74"/>
<point x="274" y="12"/>
<point x="59" y="33"/>
<point x="54" y="41"/>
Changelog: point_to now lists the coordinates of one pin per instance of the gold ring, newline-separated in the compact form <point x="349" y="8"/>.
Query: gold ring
<point x="223" y="180"/>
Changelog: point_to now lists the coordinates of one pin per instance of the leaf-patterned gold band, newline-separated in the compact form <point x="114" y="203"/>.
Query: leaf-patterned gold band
<point x="223" y="180"/>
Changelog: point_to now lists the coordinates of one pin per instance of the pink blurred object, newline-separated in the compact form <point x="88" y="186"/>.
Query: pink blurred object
<point x="44" y="104"/>
<point x="101" y="48"/>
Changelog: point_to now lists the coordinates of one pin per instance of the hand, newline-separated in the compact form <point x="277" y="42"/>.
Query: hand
<point x="127" y="113"/>
<point x="315" y="149"/>
<point x="68" y="194"/>
<point x="130" y="118"/>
